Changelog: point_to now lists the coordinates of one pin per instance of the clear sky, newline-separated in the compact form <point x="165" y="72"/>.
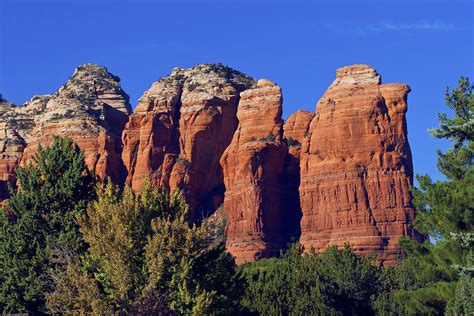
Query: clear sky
<point x="297" y="44"/>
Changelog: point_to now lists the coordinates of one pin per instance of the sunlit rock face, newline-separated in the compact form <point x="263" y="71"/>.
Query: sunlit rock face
<point x="180" y="129"/>
<point x="356" y="167"/>
<point x="339" y="175"/>
<point x="91" y="108"/>
<point x="254" y="175"/>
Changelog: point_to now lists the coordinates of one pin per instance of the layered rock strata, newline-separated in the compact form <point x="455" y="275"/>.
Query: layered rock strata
<point x="340" y="175"/>
<point x="15" y="125"/>
<point x="254" y="167"/>
<point x="356" y="167"/>
<point x="91" y="108"/>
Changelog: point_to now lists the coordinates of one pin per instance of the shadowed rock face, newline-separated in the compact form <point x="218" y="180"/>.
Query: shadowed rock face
<point x="356" y="167"/>
<point x="295" y="130"/>
<point x="180" y="129"/>
<point x="90" y="107"/>
<point x="339" y="175"/>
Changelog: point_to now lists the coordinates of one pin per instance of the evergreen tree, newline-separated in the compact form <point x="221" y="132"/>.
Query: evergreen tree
<point x="144" y="256"/>
<point x="334" y="282"/>
<point x="39" y="222"/>
<point x="440" y="271"/>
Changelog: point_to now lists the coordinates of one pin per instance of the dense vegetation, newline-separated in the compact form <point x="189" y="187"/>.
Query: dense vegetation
<point x="70" y="244"/>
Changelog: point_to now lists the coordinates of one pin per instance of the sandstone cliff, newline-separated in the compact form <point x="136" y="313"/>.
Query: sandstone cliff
<point x="15" y="125"/>
<point x="339" y="175"/>
<point x="90" y="107"/>
<point x="254" y="176"/>
<point x="180" y="129"/>
<point x="296" y="128"/>
<point x="356" y="167"/>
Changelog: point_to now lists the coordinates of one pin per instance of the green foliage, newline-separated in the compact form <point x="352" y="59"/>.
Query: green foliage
<point x="144" y="256"/>
<point x="335" y="282"/>
<point x="462" y="303"/>
<point x="448" y="206"/>
<point x="269" y="138"/>
<point x="40" y="219"/>
<point x="184" y="161"/>
<point x="441" y="272"/>
<point x="292" y="142"/>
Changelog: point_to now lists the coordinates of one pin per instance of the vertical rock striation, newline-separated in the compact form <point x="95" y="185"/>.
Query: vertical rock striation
<point x="356" y="168"/>
<point x="180" y="129"/>
<point x="340" y="175"/>
<point x="15" y="125"/>
<point x="254" y="166"/>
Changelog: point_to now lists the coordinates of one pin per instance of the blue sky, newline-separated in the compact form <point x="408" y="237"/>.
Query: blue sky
<point x="298" y="44"/>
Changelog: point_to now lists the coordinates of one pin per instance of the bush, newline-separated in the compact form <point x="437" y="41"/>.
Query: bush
<point x="269" y="138"/>
<point x="292" y="142"/>
<point x="333" y="282"/>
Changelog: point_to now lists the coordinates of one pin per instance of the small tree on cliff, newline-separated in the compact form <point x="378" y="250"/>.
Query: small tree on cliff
<point x="39" y="220"/>
<point x="145" y="257"/>
<point x="438" y="276"/>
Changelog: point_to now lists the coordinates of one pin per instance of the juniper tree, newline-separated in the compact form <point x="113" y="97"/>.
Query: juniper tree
<point x="145" y="256"/>
<point x="334" y="282"/>
<point x="40" y="220"/>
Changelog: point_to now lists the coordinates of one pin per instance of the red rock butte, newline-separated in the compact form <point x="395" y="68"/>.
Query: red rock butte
<point x="341" y="174"/>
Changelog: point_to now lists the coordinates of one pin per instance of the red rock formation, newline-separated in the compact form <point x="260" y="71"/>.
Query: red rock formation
<point x="296" y="128"/>
<point x="91" y="108"/>
<point x="203" y="99"/>
<point x="253" y="167"/>
<point x="356" y="167"/>
<point x="340" y="175"/>
<point x="150" y="138"/>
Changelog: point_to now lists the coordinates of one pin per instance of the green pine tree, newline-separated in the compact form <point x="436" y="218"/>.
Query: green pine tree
<point x="39" y="223"/>
<point x="334" y="282"/>
<point x="437" y="277"/>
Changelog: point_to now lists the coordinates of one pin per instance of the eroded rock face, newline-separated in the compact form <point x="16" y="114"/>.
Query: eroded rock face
<point x="339" y="175"/>
<point x="15" y="125"/>
<point x="91" y="108"/>
<point x="356" y="167"/>
<point x="254" y="167"/>
<point x="180" y="129"/>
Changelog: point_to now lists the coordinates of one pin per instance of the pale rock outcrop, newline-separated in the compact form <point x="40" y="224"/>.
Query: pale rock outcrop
<point x="91" y="108"/>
